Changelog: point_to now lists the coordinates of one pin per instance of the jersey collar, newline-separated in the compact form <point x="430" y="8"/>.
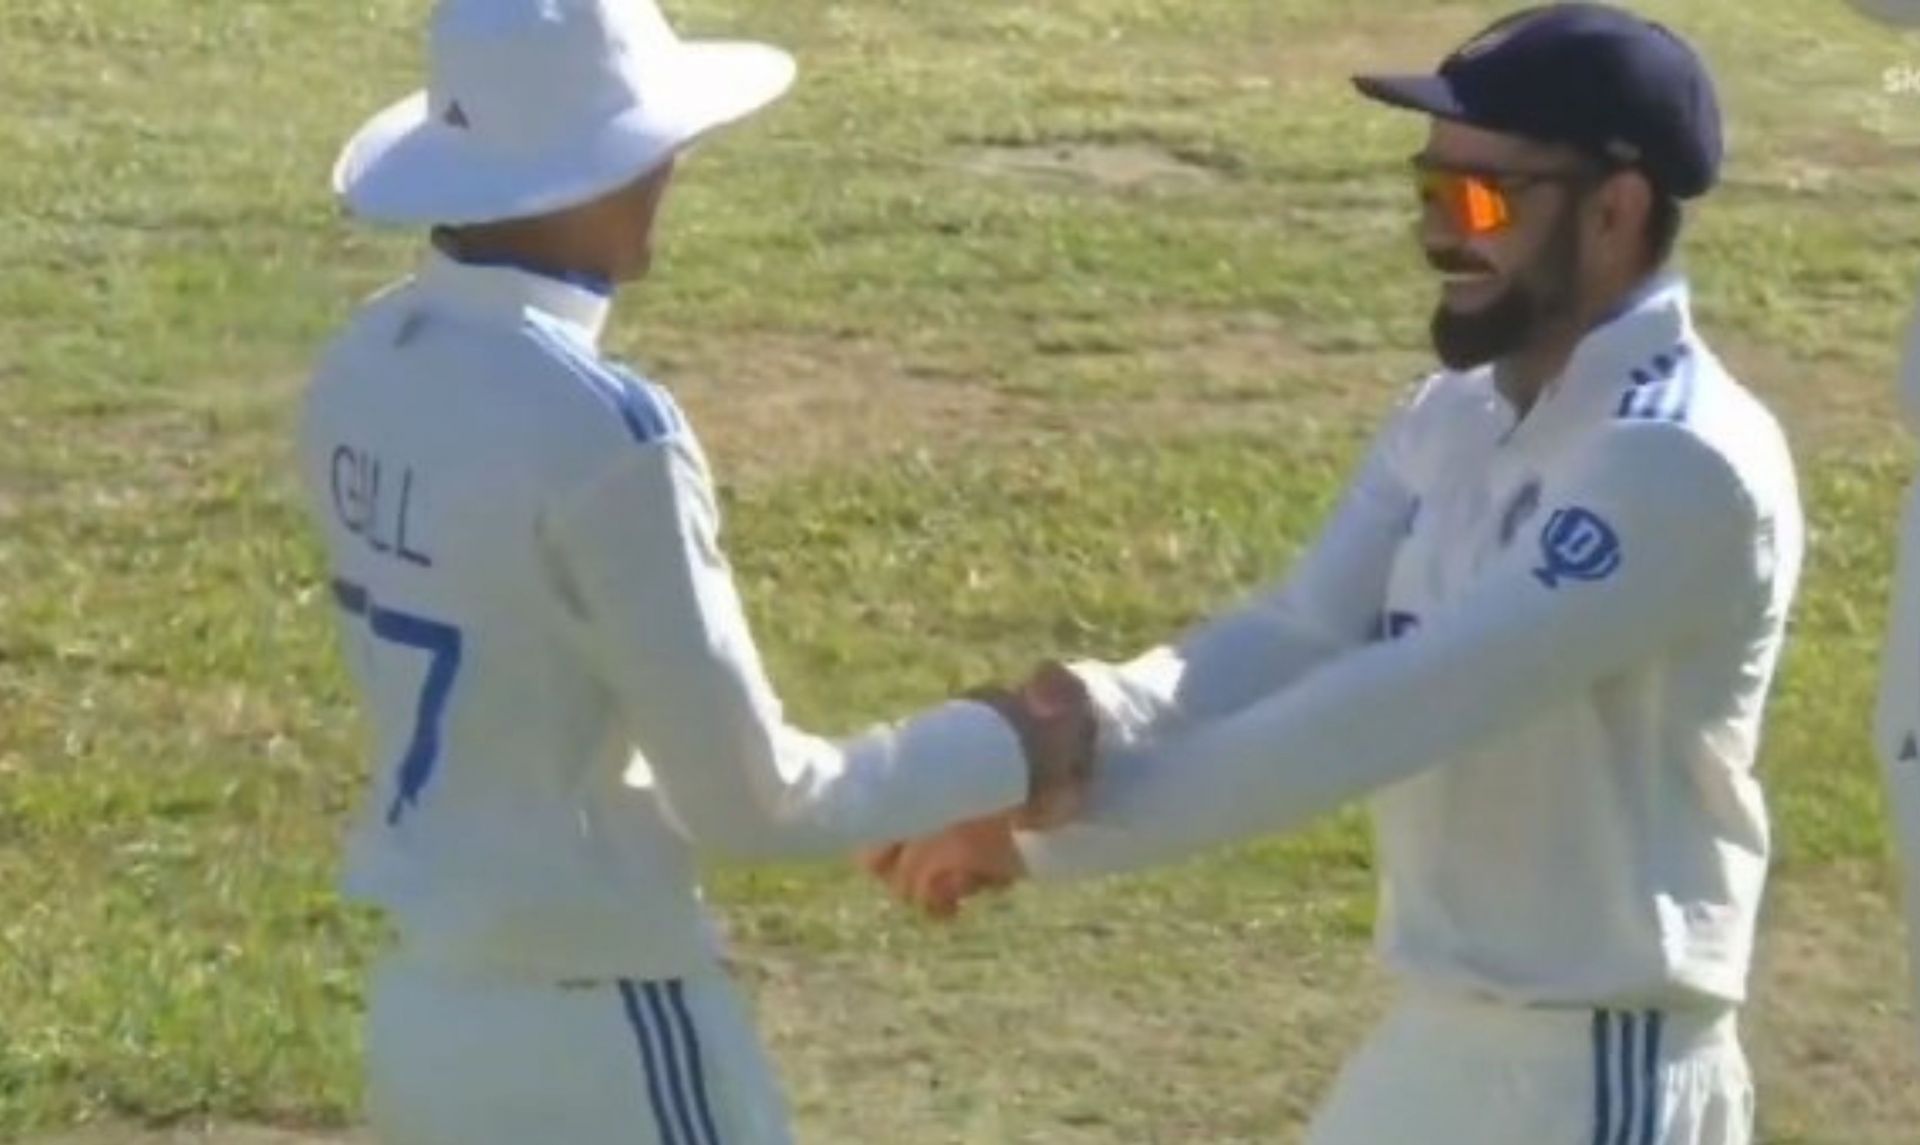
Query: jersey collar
<point x="1651" y="320"/>
<point x="1658" y="309"/>
<point x="507" y="291"/>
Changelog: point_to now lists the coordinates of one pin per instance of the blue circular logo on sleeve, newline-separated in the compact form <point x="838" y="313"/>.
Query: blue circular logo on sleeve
<point x="1577" y="544"/>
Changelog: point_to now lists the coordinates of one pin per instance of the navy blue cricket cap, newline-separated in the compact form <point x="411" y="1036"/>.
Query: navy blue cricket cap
<point x="1591" y="76"/>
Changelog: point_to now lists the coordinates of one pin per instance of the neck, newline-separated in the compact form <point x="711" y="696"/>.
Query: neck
<point x="508" y="244"/>
<point x="1523" y="375"/>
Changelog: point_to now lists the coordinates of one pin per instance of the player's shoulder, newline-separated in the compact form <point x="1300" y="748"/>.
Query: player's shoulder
<point x="363" y="328"/>
<point x="538" y="373"/>
<point x="350" y="352"/>
<point x="1686" y="396"/>
<point x="1684" y="425"/>
<point x="603" y="395"/>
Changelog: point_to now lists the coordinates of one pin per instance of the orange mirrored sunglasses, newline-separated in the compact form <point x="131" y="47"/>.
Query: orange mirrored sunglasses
<point x="1476" y="205"/>
<point x="1480" y="203"/>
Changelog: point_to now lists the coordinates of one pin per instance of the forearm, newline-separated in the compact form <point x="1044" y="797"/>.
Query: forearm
<point x="1680" y="552"/>
<point x="1272" y="768"/>
<point x="806" y="796"/>
<point x="1329" y="604"/>
<point x="1215" y="671"/>
<point x="645" y="594"/>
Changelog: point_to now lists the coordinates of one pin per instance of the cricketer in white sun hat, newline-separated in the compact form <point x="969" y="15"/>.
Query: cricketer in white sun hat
<point x="534" y="106"/>
<point x="567" y="705"/>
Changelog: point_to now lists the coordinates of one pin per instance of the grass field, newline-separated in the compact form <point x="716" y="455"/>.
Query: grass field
<point x="1021" y="328"/>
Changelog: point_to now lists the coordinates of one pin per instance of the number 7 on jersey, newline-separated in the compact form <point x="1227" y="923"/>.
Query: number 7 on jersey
<point x="439" y="641"/>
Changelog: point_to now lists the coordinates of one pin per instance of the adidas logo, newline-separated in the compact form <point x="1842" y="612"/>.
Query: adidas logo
<point x="455" y="116"/>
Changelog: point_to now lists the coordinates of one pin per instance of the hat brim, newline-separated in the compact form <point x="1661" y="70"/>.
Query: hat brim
<point x="404" y="167"/>
<point x="1429" y="93"/>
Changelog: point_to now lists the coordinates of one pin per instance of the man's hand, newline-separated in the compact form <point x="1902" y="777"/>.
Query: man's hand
<point x="1053" y="715"/>
<point x="939" y="872"/>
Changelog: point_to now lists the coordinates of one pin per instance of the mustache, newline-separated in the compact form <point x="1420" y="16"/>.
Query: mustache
<point x="1456" y="262"/>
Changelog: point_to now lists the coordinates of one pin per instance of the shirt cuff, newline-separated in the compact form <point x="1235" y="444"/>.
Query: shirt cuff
<point x="1112" y="709"/>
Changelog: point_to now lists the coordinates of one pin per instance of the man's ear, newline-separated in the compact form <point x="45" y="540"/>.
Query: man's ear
<point x="1623" y="206"/>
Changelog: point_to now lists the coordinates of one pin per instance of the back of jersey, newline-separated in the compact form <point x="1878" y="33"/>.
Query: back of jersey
<point x="496" y="826"/>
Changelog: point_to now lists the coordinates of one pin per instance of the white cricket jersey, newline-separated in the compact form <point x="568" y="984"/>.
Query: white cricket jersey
<point x="1541" y="646"/>
<point x="1897" y="718"/>
<point x="523" y="546"/>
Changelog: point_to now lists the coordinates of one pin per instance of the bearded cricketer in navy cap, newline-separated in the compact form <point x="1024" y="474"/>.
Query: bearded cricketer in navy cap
<point x="1537" y="636"/>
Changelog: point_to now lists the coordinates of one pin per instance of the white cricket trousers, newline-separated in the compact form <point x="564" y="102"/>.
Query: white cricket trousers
<point x="461" y="1060"/>
<point x="1447" y="1071"/>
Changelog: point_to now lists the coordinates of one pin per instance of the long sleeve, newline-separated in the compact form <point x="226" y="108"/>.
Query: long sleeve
<point x="1652" y="537"/>
<point x="1328" y="604"/>
<point x="636" y="558"/>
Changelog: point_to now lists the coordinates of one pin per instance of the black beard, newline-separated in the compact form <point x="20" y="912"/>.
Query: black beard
<point x="1544" y="294"/>
<point x="1471" y="339"/>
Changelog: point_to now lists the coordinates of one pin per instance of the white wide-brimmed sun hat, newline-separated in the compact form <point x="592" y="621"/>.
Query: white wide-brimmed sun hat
<point x="534" y="106"/>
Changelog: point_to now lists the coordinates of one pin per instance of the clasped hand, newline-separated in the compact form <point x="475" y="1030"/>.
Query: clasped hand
<point x="1053" y="716"/>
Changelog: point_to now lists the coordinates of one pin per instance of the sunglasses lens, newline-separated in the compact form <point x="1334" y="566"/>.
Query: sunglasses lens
<point x="1476" y="206"/>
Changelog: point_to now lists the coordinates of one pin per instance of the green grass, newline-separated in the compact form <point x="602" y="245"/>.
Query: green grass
<point x="1108" y="407"/>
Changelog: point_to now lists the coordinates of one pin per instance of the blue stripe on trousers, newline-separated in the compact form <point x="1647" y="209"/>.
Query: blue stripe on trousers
<point x="638" y="1021"/>
<point x="1650" y="1066"/>
<point x="677" y="994"/>
<point x="1602" y="1077"/>
<point x="674" y="1085"/>
<point x="1629" y="1084"/>
<point x="1626" y="1077"/>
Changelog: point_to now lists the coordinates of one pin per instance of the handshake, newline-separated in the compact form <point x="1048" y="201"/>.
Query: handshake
<point x="1053" y="716"/>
